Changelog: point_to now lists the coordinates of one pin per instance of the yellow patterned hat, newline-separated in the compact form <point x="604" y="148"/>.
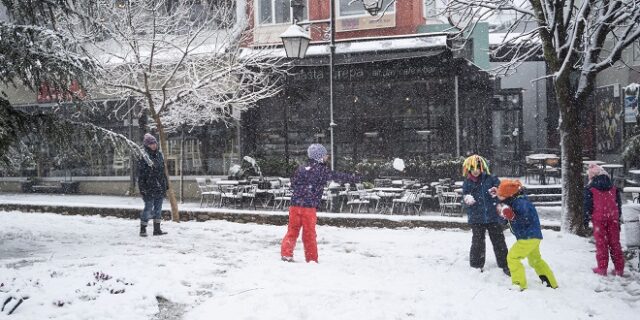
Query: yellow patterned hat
<point x="474" y="162"/>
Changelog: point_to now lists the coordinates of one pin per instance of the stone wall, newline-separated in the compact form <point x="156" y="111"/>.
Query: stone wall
<point x="250" y="217"/>
<point x="116" y="186"/>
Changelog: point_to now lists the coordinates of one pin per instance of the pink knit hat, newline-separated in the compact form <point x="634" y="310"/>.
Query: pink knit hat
<point x="596" y="170"/>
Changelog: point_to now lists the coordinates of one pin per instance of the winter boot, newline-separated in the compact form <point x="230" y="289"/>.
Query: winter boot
<point x="287" y="259"/>
<point x="143" y="230"/>
<point x="156" y="229"/>
<point x="602" y="272"/>
<point x="546" y="281"/>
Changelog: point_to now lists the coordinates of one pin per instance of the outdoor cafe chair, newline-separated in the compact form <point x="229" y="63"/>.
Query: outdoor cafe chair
<point x="205" y="190"/>
<point x="367" y="195"/>
<point x="552" y="169"/>
<point x="531" y="169"/>
<point x="281" y="198"/>
<point x="357" y="198"/>
<point x="452" y="204"/>
<point x="327" y="198"/>
<point x="409" y="199"/>
<point x="230" y="195"/>
<point x="249" y="192"/>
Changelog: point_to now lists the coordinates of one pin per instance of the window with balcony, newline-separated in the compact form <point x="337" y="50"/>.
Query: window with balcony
<point x="277" y="11"/>
<point x="347" y="9"/>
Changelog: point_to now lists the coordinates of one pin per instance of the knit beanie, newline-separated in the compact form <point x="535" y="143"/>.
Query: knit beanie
<point x="508" y="188"/>
<point x="474" y="162"/>
<point x="596" y="170"/>
<point x="149" y="139"/>
<point x="316" y="152"/>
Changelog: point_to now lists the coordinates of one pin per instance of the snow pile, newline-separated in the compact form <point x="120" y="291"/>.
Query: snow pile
<point x="98" y="268"/>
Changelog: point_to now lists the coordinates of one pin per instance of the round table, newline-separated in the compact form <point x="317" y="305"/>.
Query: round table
<point x="543" y="157"/>
<point x="588" y="162"/>
<point x="612" y="168"/>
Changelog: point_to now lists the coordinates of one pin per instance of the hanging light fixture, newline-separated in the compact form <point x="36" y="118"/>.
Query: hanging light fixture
<point x="296" y="41"/>
<point x="372" y="6"/>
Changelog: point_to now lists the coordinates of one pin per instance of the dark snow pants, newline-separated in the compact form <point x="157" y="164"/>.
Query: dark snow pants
<point x="477" y="254"/>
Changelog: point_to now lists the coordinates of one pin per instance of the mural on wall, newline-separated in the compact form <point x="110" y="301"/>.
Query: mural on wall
<point x="609" y="119"/>
<point x="631" y="93"/>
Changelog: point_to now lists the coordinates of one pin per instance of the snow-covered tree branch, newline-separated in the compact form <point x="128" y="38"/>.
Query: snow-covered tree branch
<point x="185" y="62"/>
<point x="576" y="39"/>
<point x="34" y="51"/>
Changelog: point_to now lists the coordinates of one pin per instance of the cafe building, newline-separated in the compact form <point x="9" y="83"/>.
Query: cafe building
<point x="406" y="101"/>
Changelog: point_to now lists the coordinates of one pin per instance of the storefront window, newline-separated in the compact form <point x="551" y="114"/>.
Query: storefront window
<point x="347" y="8"/>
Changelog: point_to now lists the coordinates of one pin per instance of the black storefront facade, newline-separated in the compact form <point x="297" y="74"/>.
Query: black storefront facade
<point x="402" y="104"/>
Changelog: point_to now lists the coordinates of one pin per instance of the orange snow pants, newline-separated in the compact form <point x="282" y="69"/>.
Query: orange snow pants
<point x="305" y="218"/>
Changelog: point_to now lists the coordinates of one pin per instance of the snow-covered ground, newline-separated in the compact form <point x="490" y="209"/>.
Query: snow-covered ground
<point x="74" y="267"/>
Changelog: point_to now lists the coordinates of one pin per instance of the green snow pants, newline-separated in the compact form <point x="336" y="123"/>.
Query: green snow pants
<point x="530" y="249"/>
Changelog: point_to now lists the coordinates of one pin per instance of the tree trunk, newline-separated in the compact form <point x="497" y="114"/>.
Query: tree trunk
<point x="571" y="145"/>
<point x="175" y="214"/>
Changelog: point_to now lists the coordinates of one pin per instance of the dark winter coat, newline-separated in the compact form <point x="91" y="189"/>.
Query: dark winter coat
<point x="526" y="224"/>
<point x="600" y="183"/>
<point x="484" y="210"/>
<point x="309" y="180"/>
<point x="152" y="181"/>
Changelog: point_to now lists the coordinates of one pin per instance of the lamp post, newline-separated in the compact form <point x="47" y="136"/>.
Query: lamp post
<point x="296" y="42"/>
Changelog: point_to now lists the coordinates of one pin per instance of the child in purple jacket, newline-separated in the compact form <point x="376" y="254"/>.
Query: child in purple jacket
<point x="308" y="184"/>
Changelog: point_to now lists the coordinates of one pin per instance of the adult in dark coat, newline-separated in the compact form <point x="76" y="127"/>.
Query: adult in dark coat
<point x="152" y="183"/>
<point x="478" y="191"/>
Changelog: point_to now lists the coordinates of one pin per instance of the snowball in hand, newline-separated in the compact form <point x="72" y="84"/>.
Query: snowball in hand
<point x="398" y="164"/>
<point x="469" y="200"/>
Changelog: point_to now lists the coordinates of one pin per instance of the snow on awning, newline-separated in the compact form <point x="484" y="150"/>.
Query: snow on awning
<point x="384" y="49"/>
<point x="379" y="45"/>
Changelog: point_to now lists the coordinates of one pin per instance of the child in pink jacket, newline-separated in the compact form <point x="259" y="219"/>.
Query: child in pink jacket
<point x="602" y="205"/>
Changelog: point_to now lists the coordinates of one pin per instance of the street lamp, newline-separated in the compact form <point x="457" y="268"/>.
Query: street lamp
<point x="296" y="43"/>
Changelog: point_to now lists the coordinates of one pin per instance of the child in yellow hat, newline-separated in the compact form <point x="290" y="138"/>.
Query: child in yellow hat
<point x="478" y="190"/>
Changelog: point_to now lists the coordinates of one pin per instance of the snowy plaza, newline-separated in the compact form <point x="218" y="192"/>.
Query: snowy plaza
<point x="320" y="159"/>
<point x="224" y="270"/>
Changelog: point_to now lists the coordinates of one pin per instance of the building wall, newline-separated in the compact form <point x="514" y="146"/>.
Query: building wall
<point x="534" y="104"/>
<point x="406" y="18"/>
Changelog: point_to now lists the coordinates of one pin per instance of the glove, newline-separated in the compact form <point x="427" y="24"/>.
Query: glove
<point x="493" y="192"/>
<point x="505" y="212"/>
<point x="469" y="200"/>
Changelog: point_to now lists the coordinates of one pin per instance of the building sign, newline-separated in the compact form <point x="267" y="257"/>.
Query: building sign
<point x="608" y="116"/>
<point x="358" y="73"/>
<point x="388" y="20"/>
<point x="631" y="95"/>
<point x="47" y="94"/>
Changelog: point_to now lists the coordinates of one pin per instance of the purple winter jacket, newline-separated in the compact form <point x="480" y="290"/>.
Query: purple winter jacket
<point x="309" y="180"/>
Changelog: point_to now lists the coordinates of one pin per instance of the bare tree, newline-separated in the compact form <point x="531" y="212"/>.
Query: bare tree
<point x="577" y="40"/>
<point x="35" y="51"/>
<point x="183" y="60"/>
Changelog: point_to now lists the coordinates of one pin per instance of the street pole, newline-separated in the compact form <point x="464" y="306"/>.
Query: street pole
<point x="132" y="177"/>
<point x="182" y="163"/>
<point x="457" y="118"/>
<point x="332" y="50"/>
